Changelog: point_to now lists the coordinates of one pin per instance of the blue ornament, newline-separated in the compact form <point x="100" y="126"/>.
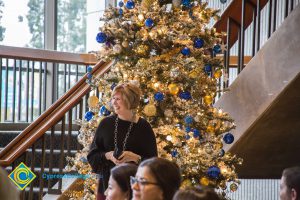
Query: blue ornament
<point x="186" y="3"/>
<point x="113" y="86"/>
<point x="88" y="115"/>
<point x="198" y="43"/>
<point x="83" y="159"/>
<point x="213" y="172"/>
<point x="187" y="136"/>
<point x="188" y="119"/>
<point x="185" y="95"/>
<point x="223" y="1"/>
<point x="101" y="37"/>
<point x="217" y="49"/>
<point x="222" y="153"/>
<point x="208" y="68"/>
<point x="186" y="51"/>
<point x="121" y="11"/>
<point x="228" y="138"/>
<point x="130" y="4"/>
<point x="159" y="96"/>
<point x="174" y="153"/>
<point x="89" y="69"/>
<point x="89" y="75"/>
<point x="104" y="111"/>
<point x="188" y="129"/>
<point x="121" y="3"/>
<point x="196" y="133"/>
<point x="149" y="22"/>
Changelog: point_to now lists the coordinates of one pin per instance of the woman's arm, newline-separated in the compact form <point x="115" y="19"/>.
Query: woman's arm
<point x="96" y="156"/>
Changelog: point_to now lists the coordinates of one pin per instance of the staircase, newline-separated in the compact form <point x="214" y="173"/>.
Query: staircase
<point x="264" y="100"/>
<point x="7" y="135"/>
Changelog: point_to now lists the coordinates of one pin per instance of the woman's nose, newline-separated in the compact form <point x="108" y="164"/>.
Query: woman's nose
<point x="135" y="186"/>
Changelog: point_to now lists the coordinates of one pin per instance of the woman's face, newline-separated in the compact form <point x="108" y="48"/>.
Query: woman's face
<point x="145" y="186"/>
<point x="118" y="103"/>
<point x="114" y="192"/>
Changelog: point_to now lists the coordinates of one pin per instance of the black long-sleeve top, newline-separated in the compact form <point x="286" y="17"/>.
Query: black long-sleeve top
<point x="141" y="141"/>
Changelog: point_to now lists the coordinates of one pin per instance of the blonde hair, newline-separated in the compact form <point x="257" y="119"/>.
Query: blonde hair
<point x="130" y="94"/>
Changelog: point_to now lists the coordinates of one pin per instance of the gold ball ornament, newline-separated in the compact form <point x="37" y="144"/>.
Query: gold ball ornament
<point x="233" y="187"/>
<point x="142" y="50"/>
<point x="173" y="88"/>
<point x="193" y="74"/>
<point x="93" y="101"/>
<point x="210" y="129"/>
<point x="125" y="44"/>
<point x="208" y="99"/>
<point x="204" y="181"/>
<point x="186" y="183"/>
<point x="150" y="110"/>
<point x="218" y="73"/>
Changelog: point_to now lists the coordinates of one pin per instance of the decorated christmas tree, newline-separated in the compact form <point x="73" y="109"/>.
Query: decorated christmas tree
<point x="168" y="50"/>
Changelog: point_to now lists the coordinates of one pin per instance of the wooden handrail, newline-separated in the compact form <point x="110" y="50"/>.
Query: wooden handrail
<point x="49" y="118"/>
<point x="234" y="12"/>
<point x="46" y="55"/>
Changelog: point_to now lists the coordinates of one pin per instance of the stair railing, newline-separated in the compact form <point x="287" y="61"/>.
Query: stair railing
<point x="44" y="153"/>
<point x="240" y="15"/>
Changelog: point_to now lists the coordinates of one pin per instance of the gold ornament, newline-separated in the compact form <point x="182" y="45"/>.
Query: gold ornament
<point x="210" y="129"/>
<point x="150" y="110"/>
<point x="204" y="181"/>
<point x="173" y="88"/>
<point x="93" y="101"/>
<point x="208" y="99"/>
<point x="218" y="73"/>
<point x="233" y="187"/>
<point x="193" y="74"/>
<point x="142" y="50"/>
<point x="186" y="183"/>
<point x="125" y="43"/>
<point x="146" y="4"/>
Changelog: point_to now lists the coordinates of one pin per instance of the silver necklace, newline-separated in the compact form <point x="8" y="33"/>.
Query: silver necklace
<point x="117" y="153"/>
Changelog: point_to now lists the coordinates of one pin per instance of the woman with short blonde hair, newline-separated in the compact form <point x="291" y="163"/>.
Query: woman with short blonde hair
<point x="123" y="137"/>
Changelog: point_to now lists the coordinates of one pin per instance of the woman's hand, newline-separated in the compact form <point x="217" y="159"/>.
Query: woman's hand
<point x="128" y="156"/>
<point x="110" y="156"/>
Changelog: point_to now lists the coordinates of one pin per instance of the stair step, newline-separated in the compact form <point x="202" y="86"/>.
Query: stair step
<point x="7" y="136"/>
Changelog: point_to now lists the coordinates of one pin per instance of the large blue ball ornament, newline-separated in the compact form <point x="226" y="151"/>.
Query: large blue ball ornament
<point x="130" y="4"/>
<point x="185" y="95"/>
<point x="223" y="1"/>
<point x="174" y="153"/>
<point x="217" y="49"/>
<point x="188" y="119"/>
<point x="207" y="68"/>
<point x="228" y="138"/>
<point x="104" y="111"/>
<point x="159" y="96"/>
<point x="186" y="51"/>
<point x="149" y="22"/>
<point x="196" y="133"/>
<point x="198" y="43"/>
<point x="101" y="37"/>
<point x="121" y="3"/>
<point x="213" y="172"/>
<point x="88" y="115"/>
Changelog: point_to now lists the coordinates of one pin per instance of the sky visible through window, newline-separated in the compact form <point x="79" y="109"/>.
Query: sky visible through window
<point x="17" y="32"/>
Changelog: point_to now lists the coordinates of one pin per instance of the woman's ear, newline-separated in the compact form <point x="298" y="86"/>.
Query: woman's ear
<point x="127" y="195"/>
<point x="294" y="194"/>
